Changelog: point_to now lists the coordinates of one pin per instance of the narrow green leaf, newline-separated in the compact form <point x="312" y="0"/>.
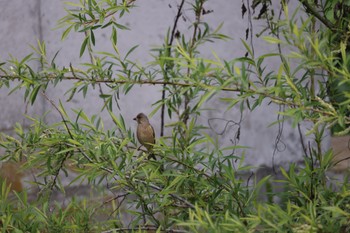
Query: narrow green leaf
<point x="130" y="51"/>
<point x="272" y="40"/>
<point x="114" y="36"/>
<point x="92" y="37"/>
<point x="34" y="94"/>
<point x="83" y="46"/>
<point x="66" y="32"/>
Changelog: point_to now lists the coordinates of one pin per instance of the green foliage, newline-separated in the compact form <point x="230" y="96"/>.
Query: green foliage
<point x="195" y="185"/>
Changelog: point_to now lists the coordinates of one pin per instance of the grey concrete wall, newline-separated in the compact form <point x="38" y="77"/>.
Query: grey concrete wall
<point x="23" y="22"/>
<point x="19" y="27"/>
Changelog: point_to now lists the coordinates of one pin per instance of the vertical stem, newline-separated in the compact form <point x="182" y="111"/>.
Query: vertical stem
<point x="318" y="136"/>
<point x="198" y="13"/>
<point x="170" y="43"/>
<point x="318" y="133"/>
<point x="312" y="71"/>
<point x="162" y="113"/>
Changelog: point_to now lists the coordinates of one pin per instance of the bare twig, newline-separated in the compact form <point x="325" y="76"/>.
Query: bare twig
<point x="341" y="160"/>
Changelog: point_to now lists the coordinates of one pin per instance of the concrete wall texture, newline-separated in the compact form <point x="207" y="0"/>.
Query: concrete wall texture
<point x="25" y="22"/>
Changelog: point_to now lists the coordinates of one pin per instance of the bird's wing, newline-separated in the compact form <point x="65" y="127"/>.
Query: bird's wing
<point x="151" y="130"/>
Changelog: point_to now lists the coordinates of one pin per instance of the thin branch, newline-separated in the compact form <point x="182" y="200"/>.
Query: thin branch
<point x="250" y="27"/>
<point x="54" y="181"/>
<point x="117" y="208"/>
<point x="189" y="204"/>
<point x="278" y="139"/>
<point x="59" y="112"/>
<point x="314" y="12"/>
<point x="273" y="98"/>
<point x="198" y="13"/>
<point x="177" y="17"/>
<point x="341" y="160"/>
<point x="302" y="140"/>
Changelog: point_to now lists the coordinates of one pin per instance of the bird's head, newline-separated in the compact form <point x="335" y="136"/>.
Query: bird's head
<point x="141" y="118"/>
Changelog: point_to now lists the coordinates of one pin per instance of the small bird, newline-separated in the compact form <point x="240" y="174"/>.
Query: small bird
<point x="145" y="133"/>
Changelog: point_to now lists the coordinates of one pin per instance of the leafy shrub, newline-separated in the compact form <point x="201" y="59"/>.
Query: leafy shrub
<point x="195" y="185"/>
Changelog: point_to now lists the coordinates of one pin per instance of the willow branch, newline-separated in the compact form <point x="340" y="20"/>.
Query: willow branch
<point x="250" y="92"/>
<point x="314" y="12"/>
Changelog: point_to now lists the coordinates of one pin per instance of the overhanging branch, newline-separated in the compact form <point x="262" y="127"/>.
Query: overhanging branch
<point x="249" y="92"/>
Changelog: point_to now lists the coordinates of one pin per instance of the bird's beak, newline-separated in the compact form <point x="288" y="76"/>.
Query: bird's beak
<point x="134" y="119"/>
